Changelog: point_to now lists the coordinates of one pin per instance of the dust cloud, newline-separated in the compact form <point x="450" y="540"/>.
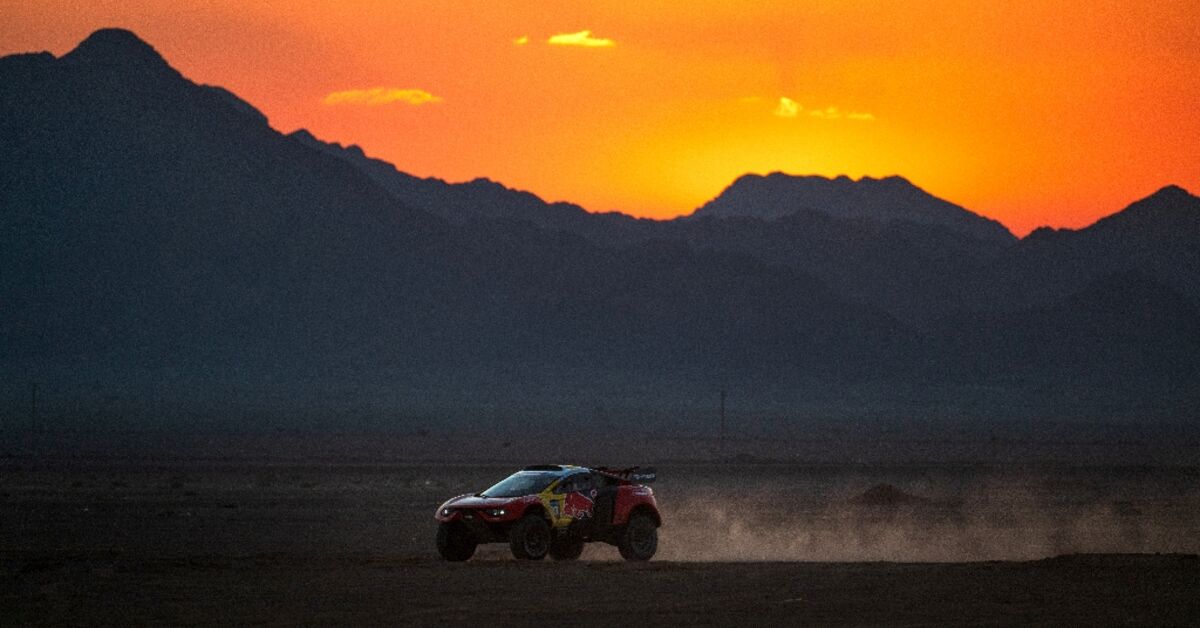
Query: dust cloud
<point x="711" y="512"/>
<point x="839" y="519"/>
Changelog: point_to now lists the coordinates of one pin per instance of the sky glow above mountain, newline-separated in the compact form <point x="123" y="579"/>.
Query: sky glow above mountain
<point x="1030" y="113"/>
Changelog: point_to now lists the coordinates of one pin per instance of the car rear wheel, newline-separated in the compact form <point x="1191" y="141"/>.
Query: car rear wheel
<point x="529" y="538"/>
<point x="566" y="549"/>
<point x="639" y="541"/>
<point x="455" y="542"/>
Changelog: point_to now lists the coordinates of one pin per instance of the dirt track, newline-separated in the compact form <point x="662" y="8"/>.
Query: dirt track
<point x="354" y="590"/>
<point x="168" y="544"/>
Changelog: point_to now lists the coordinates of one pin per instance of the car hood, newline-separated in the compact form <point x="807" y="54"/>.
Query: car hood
<point x="471" y="501"/>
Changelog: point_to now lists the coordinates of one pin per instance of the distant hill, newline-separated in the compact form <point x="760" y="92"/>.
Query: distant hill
<point x="483" y="199"/>
<point x="167" y="252"/>
<point x="912" y="269"/>
<point x="1158" y="237"/>
<point x="167" y="258"/>
<point x="887" y="200"/>
<point x="1122" y="345"/>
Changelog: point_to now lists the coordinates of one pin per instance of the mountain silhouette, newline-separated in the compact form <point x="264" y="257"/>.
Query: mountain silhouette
<point x="1156" y="237"/>
<point x="1088" y="350"/>
<point x="486" y="200"/>
<point x="890" y="199"/>
<point x="116" y="52"/>
<point x="167" y="257"/>
<point x="161" y="242"/>
<point x="913" y="270"/>
<point x="158" y="236"/>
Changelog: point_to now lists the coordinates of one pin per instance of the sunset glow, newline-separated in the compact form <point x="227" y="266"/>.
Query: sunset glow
<point x="1033" y="113"/>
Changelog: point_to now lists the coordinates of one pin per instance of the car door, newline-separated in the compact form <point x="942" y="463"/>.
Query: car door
<point x="579" y="497"/>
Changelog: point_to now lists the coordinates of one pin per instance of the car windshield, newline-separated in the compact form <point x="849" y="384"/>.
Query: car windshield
<point x="521" y="483"/>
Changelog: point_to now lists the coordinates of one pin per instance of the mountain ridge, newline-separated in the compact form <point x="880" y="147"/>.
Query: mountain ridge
<point x="160" y="241"/>
<point x="527" y="199"/>
<point x="118" y="49"/>
<point x="160" y="244"/>
<point x="113" y="46"/>
<point x="882" y="199"/>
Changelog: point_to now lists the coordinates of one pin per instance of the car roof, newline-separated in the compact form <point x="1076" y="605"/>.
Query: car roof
<point x="628" y="475"/>
<point x="562" y="469"/>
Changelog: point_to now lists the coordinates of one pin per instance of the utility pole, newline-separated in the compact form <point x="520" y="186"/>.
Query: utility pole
<point x="721" y="444"/>
<point x="33" y="423"/>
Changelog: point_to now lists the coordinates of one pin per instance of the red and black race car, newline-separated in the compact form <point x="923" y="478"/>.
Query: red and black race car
<point x="555" y="509"/>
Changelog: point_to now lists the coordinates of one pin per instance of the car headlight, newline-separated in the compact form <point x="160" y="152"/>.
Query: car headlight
<point x="446" y="512"/>
<point x="495" y="512"/>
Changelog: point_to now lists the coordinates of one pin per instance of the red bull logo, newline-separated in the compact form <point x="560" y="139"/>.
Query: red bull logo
<point x="578" y="505"/>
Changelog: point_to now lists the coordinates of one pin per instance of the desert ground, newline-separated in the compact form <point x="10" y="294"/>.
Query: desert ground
<point x="90" y="541"/>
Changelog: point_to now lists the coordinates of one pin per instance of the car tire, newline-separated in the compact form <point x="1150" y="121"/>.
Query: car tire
<point x="455" y="542"/>
<point x="639" y="539"/>
<point x="566" y="549"/>
<point x="529" y="538"/>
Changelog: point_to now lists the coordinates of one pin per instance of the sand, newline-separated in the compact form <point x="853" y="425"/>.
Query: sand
<point x="220" y="542"/>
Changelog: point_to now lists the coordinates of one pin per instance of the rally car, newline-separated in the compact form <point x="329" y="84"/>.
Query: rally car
<point x="555" y="509"/>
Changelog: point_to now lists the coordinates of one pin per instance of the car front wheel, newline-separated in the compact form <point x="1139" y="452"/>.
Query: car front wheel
<point x="455" y="542"/>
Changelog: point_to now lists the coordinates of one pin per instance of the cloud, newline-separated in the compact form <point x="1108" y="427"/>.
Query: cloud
<point x="582" y="38"/>
<point x="787" y="108"/>
<point x="521" y="41"/>
<point x="833" y="113"/>
<point x="381" y="96"/>
<point x="828" y="113"/>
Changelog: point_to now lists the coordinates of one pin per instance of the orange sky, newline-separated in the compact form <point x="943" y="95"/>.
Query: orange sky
<point x="1029" y="112"/>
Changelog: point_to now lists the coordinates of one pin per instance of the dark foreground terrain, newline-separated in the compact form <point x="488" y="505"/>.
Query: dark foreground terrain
<point x="221" y="542"/>
<point x="372" y="589"/>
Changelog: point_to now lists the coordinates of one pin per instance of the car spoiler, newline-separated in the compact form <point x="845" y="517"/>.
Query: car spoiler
<point x="633" y="475"/>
